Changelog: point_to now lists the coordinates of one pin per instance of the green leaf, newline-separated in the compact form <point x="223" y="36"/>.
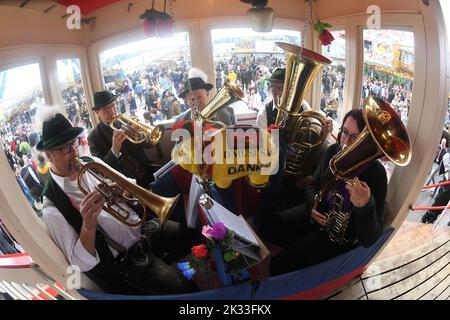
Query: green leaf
<point x="326" y="25"/>
<point x="318" y="26"/>
<point x="228" y="256"/>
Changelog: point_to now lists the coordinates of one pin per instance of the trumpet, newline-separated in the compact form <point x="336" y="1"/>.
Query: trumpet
<point x="136" y="131"/>
<point x="113" y="187"/>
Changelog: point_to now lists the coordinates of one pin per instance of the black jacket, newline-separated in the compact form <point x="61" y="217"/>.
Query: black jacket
<point x="133" y="161"/>
<point x="366" y="223"/>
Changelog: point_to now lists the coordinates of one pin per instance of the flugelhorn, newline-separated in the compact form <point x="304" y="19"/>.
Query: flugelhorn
<point x="113" y="186"/>
<point x="136" y="131"/>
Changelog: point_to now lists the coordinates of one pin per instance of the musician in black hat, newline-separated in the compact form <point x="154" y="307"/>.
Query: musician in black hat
<point x="195" y="91"/>
<point x="113" y="147"/>
<point x="118" y="257"/>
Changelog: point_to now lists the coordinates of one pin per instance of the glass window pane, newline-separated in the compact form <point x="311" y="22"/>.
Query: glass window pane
<point x="140" y="72"/>
<point x="72" y="90"/>
<point x="333" y="77"/>
<point x="389" y="68"/>
<point x="389" y="71"/>
<point x="20" y="94"/>
<point x="249" y="58"/>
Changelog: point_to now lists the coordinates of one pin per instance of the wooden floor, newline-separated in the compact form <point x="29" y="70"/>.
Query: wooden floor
<point x="415" y="265"/>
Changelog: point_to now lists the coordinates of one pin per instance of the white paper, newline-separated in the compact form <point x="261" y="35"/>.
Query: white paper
<point x="218" y="213"/>
<point x="164" y="170"/>
<point x="195" y="191"/>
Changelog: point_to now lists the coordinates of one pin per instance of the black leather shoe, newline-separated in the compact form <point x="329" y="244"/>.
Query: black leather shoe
<point x="430" y="216"/>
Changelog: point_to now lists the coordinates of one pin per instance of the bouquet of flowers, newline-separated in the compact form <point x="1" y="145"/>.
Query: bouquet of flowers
<point x="215" y="235"/>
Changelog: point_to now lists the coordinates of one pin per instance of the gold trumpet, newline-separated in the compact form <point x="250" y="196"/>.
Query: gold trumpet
<point x="136" y="131"/>
<point x="113" y="186"/>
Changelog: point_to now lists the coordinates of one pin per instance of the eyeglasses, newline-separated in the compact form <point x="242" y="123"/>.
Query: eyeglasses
<point x="68" y="146"/>
<point x="345" y="133"/>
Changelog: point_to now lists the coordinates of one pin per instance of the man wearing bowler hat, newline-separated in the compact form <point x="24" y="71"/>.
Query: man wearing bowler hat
<point x="113" y="147"/>
<point x="119" y="258"/>
<point x="195" y="91"/>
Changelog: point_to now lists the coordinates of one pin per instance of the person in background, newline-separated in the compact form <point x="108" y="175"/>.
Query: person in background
<point x="194" y="92"/>
<point x="31" y="179"/>
<point x="443" y="196"/>
<point x="254" y="100"/>
<point x="43" y="168"/>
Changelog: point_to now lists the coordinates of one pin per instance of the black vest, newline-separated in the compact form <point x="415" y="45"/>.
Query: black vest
<point x="106" y="273"/>
<point x="271" y="113"/>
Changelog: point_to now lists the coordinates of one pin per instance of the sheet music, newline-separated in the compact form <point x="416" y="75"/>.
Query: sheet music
<point x="195" y="191"/>
<point x="218" y="213"/>
<point x="164" y="170"/>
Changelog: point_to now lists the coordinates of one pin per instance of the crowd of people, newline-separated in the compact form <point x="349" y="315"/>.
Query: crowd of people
<point x="397" y="94"/>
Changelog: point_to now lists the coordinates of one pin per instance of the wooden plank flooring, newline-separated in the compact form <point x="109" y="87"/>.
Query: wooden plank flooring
<point x="414" y="265"/>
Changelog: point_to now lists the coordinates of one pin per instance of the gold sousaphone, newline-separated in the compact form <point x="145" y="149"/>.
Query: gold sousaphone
<point x="302" y="131"/>
<point x="136" y="131"/>
<point x="384" y="135"/>
<point x="113" y="186"/>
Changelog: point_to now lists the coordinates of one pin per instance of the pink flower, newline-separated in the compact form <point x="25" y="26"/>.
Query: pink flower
<point x="218" y="231"/>
<point x="205" y="231"/>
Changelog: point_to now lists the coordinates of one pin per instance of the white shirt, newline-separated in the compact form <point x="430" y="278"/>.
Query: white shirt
<point x="68" y="239"/>
<point x="446" y="163"/>
<point x="261" y="118"/>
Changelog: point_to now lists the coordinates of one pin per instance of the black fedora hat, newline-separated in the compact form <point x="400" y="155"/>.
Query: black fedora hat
<point x="193" y="84"/>
<point x="57" y="131"/>
<point x="102" y="98"/>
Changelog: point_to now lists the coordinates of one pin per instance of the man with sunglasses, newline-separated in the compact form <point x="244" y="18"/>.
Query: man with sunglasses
<point x="107" y="250"/>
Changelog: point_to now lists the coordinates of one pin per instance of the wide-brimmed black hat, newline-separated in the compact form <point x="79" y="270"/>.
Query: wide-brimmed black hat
<point x="57" y="131"/>
<point x="278" y="75"/>
<point x="194" y="84"/>
<point x="102" y="98"/>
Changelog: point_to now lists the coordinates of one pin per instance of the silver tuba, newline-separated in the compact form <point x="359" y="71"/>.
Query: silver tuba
<point x="302" y="131"/>
<point x="384" y="135"/>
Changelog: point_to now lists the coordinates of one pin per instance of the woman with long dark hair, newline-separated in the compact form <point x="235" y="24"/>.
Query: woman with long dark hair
<point x="302" y="229"/>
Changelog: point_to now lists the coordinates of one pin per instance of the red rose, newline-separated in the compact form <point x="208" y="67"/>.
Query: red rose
<point x="199" y="251"/>
<point x="326" y="37"/>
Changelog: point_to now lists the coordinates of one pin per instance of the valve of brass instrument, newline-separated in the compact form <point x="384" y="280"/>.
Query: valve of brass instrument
<point x="136" y="131"/>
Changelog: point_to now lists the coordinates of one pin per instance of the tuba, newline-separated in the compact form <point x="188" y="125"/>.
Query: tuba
<point x="136" y="131"/>
<point x="302" y="131"/>
<point x="384" y="135"/>
<point x="112" y="186"/>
